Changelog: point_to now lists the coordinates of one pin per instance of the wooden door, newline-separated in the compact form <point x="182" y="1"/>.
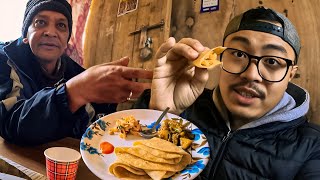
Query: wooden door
<point x="106" y="36"/>
<point x="208" y="28"/>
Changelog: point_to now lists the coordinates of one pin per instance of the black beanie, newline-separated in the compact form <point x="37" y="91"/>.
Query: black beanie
<point x="35" y="6"/>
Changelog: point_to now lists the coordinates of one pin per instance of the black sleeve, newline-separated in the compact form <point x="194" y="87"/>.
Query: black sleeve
<point x="143" y="101"/>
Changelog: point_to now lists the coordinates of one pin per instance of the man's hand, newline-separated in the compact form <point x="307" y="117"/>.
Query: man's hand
<point x="176" y="83"/>
<point x="106" y="83"/>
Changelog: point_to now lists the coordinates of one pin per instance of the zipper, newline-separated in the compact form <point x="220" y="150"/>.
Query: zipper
<point x="226" y="137"/>
<point x="220" y="153"/>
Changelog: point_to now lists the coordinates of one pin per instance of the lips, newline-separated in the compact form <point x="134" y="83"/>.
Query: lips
<point x="248" y="92"/>
<point x="247" y="95"/>
<point x="49" y="44"/>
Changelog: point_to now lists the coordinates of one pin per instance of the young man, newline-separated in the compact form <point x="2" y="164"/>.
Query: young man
<point x="254" y="119"/>
<point x="44" y="94"/>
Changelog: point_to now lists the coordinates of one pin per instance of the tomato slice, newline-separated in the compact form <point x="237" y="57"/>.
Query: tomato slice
<point x="106" y="147"/>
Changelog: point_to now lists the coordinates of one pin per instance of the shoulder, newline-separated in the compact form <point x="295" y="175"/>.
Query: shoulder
<point x="5" y="68"/>
<point x="3" y="58"/>
<point x="306" y="135"/>
<point x="309" y="140"/>
<point x="2" y="45"/>
<point x="310" y="130"/>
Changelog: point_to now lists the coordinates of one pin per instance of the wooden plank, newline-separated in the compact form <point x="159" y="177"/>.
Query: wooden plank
<point x="104" y="45"/>
<point x="304" y="15"/>
<point x="149" y="13"/>
<point x="156" y="8"/>
<point x="181" y="10"/>
<point x="90" y="35"/>
<point x="143" y="19"/>
<point x="123" y="42"/>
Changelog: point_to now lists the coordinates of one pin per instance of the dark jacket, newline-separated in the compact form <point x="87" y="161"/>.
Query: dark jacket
<point x="32" y="109"/>
<point x="276" y="150"/>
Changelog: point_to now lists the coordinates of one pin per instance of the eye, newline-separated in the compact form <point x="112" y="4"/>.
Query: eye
<point x="39" y="23"/>
<point x="239" y="54"/>
<point x="271" y="61"/>
<point x="62" y="26"/>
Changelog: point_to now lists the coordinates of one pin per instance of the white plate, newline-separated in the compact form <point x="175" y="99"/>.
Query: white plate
<point x="10" y="177"/>
<point x="97" y="132"/>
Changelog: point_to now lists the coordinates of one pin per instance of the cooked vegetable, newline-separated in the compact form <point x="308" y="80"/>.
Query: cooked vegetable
<point x="173" y="130"/>
<point x="185" y="143"/>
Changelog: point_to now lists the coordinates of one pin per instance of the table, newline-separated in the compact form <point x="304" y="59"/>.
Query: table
<point x="33" y="158"/>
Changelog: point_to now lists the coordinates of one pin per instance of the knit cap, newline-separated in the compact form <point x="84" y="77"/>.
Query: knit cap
<point x="287" y="32"/>
<point x="35" y="6"/>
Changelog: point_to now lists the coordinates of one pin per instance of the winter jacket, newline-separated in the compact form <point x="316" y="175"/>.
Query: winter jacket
<point x="278" y="146"/>
<point x="34" y="107"/>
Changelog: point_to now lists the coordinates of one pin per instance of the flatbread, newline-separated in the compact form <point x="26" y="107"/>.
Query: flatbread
<point x="159" y="174"/>
<point x="148" y="155"/>
<point x="153" y="158"/>
<point x="159" y="153"/>
<point x="124" y="171"/>
<point x="156" y="175"/>
<point x="161" y="144"/>
<point x="138" y="162"/>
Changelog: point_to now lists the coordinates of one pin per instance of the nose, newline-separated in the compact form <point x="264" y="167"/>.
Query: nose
<point x="252" y="73"/>
<point x="50" y="31"/>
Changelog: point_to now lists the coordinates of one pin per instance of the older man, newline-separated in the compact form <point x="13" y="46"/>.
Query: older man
<point x="254" y="119"/>
<point x="44" y="94"/>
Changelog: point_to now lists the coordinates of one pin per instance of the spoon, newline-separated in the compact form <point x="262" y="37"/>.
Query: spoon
<point x="150" y="133"/>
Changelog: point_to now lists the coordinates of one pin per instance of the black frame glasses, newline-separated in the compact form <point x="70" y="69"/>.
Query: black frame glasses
<point x="258" y="59"/>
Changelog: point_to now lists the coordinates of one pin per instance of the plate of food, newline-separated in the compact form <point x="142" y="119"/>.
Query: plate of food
<point x="112" y="148"/>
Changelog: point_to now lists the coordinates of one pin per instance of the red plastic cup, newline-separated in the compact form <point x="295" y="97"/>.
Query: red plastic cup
<point x="62" y="163"/>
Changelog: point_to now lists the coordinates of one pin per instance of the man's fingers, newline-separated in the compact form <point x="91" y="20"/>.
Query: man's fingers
<point x="137" y="88"/>
<point x="182" y="50"/>
<point x="124" y="61"/>
<point x="129" y="73"/>
<point x="195" y="44"/>
<point x="165" y="47"/>
<point x="200" y="78"/>
<point x="187" y="48"/>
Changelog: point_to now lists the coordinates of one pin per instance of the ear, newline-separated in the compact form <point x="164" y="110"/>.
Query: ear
<point x="293" y="72"/>
<point x="25" y="40"/>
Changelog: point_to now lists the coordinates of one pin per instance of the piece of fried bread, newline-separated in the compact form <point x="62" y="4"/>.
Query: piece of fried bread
<point x="209" y="58"/>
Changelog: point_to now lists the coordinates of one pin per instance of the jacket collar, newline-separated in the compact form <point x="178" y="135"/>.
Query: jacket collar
<point x="22" y="57"/>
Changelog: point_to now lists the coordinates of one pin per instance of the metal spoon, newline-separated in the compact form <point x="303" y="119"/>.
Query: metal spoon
<point x="150" y="133"/>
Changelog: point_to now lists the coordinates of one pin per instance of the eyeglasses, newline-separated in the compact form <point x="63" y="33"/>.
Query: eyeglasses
<point x="270" y="68"/>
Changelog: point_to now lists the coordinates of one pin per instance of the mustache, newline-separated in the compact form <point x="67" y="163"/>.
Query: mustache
<point x="251" y="85"/>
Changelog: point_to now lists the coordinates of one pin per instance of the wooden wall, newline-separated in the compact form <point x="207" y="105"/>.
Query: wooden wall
<point x="106" y="36"/>
<point x="187" y="21"/>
